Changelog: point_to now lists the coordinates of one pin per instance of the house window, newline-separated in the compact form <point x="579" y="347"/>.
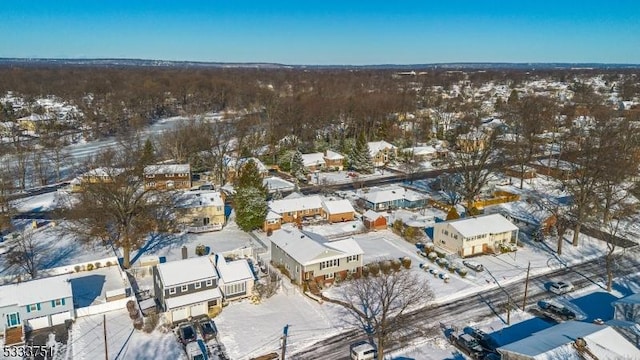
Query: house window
<point x="184" y="288"/>
<point x="329" y="264"/>
<point x="57" y="302"/>
<point x="198" y="285"/>
<point x="329" y="276"/>
<point x="352" y="258"/>
<point x="33" y="307"/>
<point x="235" y="289"/>
<point x="172" y="291"/>
<point x="151" y="175"/>
<point x="209" y="282"/>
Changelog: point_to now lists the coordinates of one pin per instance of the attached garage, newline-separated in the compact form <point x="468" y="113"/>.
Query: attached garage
<point x="39" y="322"/>
<point x="58" y="319"/>
<point x="179" y="314"/>
<point x="199" y="309"/>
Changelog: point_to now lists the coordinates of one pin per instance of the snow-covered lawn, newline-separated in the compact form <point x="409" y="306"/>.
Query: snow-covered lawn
<point x="342" y="177"/>
<point x="249" y="330"/>
<point x="123" y="341"/>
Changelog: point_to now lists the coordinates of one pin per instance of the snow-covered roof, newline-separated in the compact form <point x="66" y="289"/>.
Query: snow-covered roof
<point x="35" y="291"/>
<point x="305" y="247"/>
<point x="297" y="204"/>
<point x="191" y="199"/>
<point x="556" y="164"/>
<point x="313" y="159"/>
<point x="103" y="172"/>
<point x="273" y="216"/>
<point x="371" y="215"/>
<point x="556" y="342"/>
<point x="38" y="117"/>
<point x="332" y="155"/>
<point x="377" y="196"/>
<point x="530" y="213"/>
<point x="193" y="298"/>
<point x="239" y="163"/>
<point x="338" y="206"/>
<point x="233" y="271"/>
<point x="420" y="150"/>
<point x="274" y="183"/>
<point x="376" y="146"/>
<point x="478" y="225"/>
<point x="174" y="273"/>
<point x="631" y="299"/>
<point x="167" y="169"/>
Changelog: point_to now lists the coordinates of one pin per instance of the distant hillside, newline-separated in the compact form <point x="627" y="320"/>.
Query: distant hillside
<point x="198" y="64"/>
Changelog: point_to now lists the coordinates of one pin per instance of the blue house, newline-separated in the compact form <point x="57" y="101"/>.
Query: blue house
<point x="378" y="199"/>
<point x="37" y="303"/>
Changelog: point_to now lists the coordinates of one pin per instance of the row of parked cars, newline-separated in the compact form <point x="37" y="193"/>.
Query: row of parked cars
<point x="194" y="335"/>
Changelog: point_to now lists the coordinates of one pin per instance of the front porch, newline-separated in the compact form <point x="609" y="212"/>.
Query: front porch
<point x="14" y="336"/>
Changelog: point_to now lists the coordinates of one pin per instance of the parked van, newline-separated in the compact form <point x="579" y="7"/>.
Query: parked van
<point x="363" y="350"/>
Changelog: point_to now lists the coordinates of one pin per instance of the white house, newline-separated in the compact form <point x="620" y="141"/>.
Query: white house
<point x="37" y="303"/>
<point x="187" y="288"/>
<point x="571" y="340"/>
<point x="474" y="235"/>
<point x="236" y="278"/>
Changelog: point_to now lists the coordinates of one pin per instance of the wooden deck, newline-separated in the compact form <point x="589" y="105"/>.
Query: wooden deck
<point x="14" y="336"/>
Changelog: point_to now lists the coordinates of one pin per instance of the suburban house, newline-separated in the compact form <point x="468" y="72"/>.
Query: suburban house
<point x="306" y="256"/>
<point x="627" y="308"/>
<point x="382" y="152"/>
<point x="333" y="160"/>
<point x="233" y="167"/>
<point x="528" y="215"/>
<point x="373" y="220"/>
<point x="187" y="288"/>
<point x="236" y="278"/>
<point x="293" y="208"/>
<point x="393" y="197"/>
<point x="314" y="161"/>
<point x="272" y="221"/>
<point x="37" y="304"/>
<point x="474" y="235"/>
<point x="34" y="122"/>
<point x="426" y="153"/>
<point x="559" y="169"/>
<point x="93" y="176"/>
<point x="275" y="184"/>
<point x="167" y="176"/>
<point x="202" y="211"/>
<point x="571" y="340"/>
<point x="472" y="141"/>
<point x="338" y="210"/>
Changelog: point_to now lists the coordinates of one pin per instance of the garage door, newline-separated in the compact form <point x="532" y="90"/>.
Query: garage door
<point x="200" y="309"/>
<point x="39" y="323"/>
<point x="60" y="318"/>
<point x="180" y="314"/>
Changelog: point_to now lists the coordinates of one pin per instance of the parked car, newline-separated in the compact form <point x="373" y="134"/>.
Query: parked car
<point x="196" y="350"/>
<point x="559" y="311"/>
<point x="469" y="344"/>
<point x="560" y="287"/>
<point x="187" y="333"/>
<point x="473" y="265"/>
<point x="207" y="328"/>
<point x="363" y="350"/>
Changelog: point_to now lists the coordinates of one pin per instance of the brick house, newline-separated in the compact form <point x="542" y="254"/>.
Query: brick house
<point x="374" y="221"/>
<point x="297" y="207"/>
<point x="338" y="211"/>
<point x="272" y="221"/>
<point x="313" y="162"/>
<point x="310" y="257"/>
<point x="167" y="176"/>
<point x="333" y="160"/>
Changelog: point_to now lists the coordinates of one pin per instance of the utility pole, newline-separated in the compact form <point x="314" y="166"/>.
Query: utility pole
<point x="526" y="288"/>
<point x="285" y="333"/>
<point x="104" y="331"/>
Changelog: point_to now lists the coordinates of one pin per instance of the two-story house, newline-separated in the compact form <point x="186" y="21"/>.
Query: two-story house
<point x="333" y="160"/>
<point x="167" y="176"/>
<point x="382" y="152"/>
<point x="233" y="166"/>
<point x="94" y="176"/>
<point x="474" y="235"/>
<point x="311" y="257"/>
<point x="37" y="303"/>
<point x="187" y="288"/>
<point x="202" y="211"/>
<point x="236" y="278"/>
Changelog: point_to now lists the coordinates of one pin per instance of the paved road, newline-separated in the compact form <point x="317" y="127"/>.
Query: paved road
<point x="426" y="322"/>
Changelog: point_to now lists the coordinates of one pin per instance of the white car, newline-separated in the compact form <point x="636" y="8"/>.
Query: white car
<point x="561" y="287"/>
<point x="473" y="265"/>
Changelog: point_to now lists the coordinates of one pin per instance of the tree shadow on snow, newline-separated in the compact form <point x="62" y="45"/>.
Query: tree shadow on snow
<point x="519" y="331"/>
<point x="86" y="289"/>
<point x="160" y="241"/>
<point x="596" y="305"/>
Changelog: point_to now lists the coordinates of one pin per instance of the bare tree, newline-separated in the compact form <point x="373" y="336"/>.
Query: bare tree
<point x="380" y="305"/>
<point x="117" y="209"/>
<point x="26" y="253"/>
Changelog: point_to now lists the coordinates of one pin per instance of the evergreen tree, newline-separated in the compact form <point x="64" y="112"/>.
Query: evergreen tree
<point x="360" y="159"/>
<point x="148" y="153"/>
<point x="297" y="166"/>
<point x="250" y="199"/>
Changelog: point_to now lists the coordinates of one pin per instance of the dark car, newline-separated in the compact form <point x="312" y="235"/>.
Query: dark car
<point x="187" y="333"/>
<point x="207" y="329"/>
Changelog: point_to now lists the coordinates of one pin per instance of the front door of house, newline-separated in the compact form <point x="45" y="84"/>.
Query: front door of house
<point x="13" y="319"/>
<point x="308" y="275"/>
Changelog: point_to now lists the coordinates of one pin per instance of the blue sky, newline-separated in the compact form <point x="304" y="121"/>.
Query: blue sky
<point x="325" y="32"/>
